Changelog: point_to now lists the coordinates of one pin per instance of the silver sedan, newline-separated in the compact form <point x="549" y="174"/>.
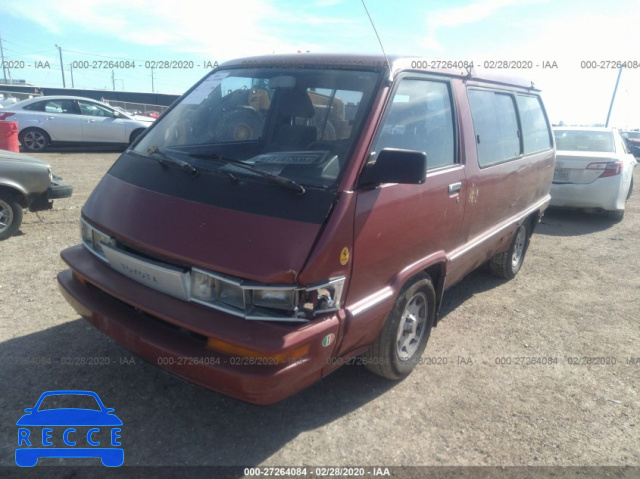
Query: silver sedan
<point x="70" y="120"/>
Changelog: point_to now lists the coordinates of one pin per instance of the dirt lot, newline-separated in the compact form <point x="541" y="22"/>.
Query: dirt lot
<point x="566" y="329"/>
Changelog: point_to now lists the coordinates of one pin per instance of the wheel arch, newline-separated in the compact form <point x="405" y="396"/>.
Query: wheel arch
<point x="534" y="219"/>
<point x="135" y="134"/>
<point x="16" y="192"/>
<point x="434" y="265"/>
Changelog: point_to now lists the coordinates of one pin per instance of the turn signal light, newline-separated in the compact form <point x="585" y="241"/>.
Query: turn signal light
<point x="288" y="356"/>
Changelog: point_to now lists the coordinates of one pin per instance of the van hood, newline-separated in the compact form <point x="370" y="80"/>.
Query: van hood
<point x="255" y="231"/>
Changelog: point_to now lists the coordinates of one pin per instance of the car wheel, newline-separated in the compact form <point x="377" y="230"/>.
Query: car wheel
<point x="615" y="215"/>
<point x="395" y="353"/>
<point x="10" y="216"/>
<point x="135" y="134"/>
<point x="34" y="139"/>
<point x="507" y="264"/>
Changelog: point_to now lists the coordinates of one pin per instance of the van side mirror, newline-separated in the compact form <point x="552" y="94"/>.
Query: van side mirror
<point x="394" y="165"/>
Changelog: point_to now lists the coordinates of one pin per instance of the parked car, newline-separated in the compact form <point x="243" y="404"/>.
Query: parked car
<point x="295" y="246"/>
<point x="7" y="101"/>
<point x="136" y="115"/>
<point x="70" y="120"/>
<point x="594" y="170"/>
<point x="25" y="182"/>
<point x="632" y="139"/>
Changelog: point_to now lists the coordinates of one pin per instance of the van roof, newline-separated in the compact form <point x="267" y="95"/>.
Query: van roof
<point x="376" y="62"/>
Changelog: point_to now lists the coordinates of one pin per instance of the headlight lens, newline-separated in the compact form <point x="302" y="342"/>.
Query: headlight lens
<point x="275" y="298"/>
<point x="94" y="239"/>
<point x="202" y="286"/>
<point x="99" y="239"/>
<point x="230" y="294"/>
<point x="85" y="232"/>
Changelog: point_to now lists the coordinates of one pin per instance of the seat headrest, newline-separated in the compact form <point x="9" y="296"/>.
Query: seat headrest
<point x="295" y="103"/>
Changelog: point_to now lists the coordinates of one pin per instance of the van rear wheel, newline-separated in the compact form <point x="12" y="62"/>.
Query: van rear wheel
<point x="405" y="334"/>
<point x="507" y="264"/>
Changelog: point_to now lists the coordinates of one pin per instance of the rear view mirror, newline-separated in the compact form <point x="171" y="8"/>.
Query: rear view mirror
<point x="394" y="165"/>
<point x="282" y="81"/>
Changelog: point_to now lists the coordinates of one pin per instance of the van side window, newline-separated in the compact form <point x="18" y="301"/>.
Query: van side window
<point x="420" y="118"/>
<point x="496" y="126"/>
<point x="536" y="134"/>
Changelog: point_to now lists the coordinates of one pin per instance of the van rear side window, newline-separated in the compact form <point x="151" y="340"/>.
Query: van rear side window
<point x="496" y="126"/>
<point x="535" y="129"/>
<point x="420" y="118"/>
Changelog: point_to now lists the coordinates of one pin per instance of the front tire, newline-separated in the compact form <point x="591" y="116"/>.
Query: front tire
<point x="10" y="216"/>
<point x="507" y="264"/>
<point x="403" y="339"/>
<point x="34" y="139"/>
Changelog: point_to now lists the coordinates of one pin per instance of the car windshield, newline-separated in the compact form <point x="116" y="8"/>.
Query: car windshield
<point x="584" y="140"/>
<point x="69" y="401"/>
<point x="298" y="124"/>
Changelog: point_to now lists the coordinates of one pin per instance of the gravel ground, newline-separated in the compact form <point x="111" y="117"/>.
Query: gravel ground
<point x="542" y="370"/>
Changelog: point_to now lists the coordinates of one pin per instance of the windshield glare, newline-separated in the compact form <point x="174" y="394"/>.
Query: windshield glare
<point x="299" y="124"/>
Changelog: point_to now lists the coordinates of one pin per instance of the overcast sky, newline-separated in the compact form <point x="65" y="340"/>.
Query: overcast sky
<point x="567" y="32"/>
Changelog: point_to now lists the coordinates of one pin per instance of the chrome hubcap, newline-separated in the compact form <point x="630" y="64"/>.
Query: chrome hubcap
<point x="6" y="216"/>
<point x="518" y="248"/>
<point x="412" y="326"/>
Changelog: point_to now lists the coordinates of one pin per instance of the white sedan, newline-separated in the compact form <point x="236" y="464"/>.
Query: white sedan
<point x="594" y="170"/>
<point x="70" y="120"/>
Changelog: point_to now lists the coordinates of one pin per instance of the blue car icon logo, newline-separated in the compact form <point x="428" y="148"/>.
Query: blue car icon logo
<point x="54" y="429"/>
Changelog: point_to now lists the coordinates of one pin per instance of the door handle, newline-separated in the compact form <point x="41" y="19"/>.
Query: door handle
<point x="51" y="118"/>
<point x="455" y="188"/>
<point x="90" y="121"/>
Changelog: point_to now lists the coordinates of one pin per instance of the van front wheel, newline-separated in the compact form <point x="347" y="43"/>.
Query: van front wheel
<point x="507" y="264"/>
<point x="405" y="334"/>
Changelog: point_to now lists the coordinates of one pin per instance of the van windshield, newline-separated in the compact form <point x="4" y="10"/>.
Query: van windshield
<point x="298" y="124"/>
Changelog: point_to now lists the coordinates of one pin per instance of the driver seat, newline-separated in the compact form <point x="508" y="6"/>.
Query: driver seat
<point x="293" y="131"/>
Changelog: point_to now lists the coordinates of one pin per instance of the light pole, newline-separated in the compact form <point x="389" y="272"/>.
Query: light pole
<point x="613" y="98"/>
<point x="64" y="84"/>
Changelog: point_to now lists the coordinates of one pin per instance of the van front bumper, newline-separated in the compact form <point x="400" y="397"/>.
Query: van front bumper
<point x="173" y="334"/>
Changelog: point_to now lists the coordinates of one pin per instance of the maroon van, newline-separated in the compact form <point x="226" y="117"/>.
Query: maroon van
<point x="290" y="212"/>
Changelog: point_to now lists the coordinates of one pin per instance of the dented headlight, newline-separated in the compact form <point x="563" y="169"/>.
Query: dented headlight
<point x="265" y="302"/>
<point x="322" y="298"/>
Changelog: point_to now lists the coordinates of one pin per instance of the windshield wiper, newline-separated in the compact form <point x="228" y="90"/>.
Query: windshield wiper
<point x="286" y="182"/>
<point x="165" y="159"/>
